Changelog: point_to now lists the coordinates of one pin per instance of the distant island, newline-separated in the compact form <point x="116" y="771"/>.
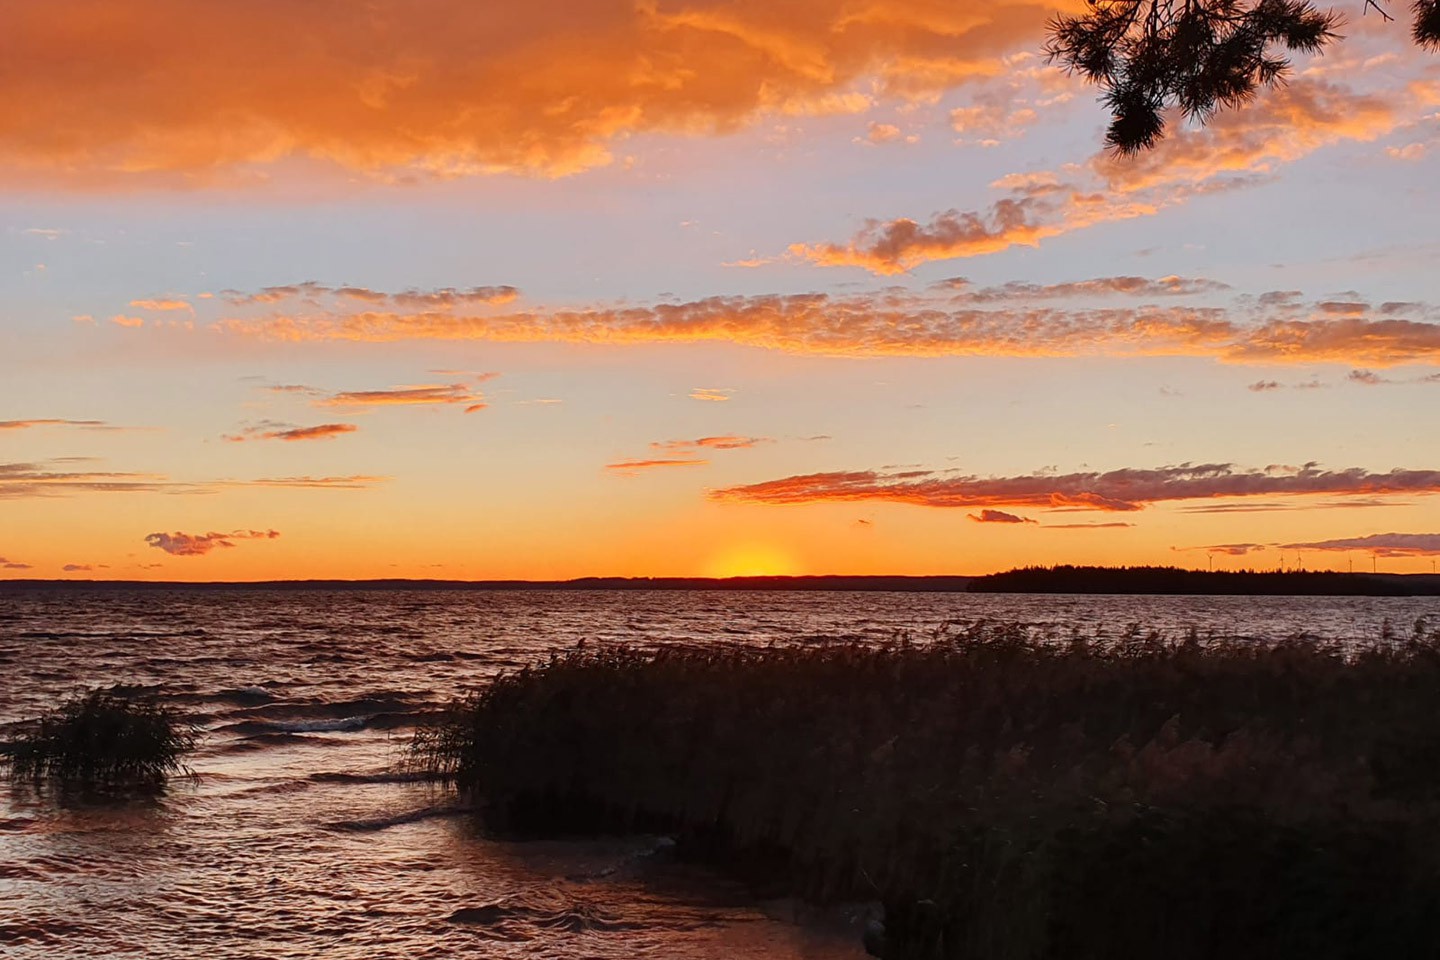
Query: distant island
<point x="1176" y="580"/>
<point x="1056" y="579"/>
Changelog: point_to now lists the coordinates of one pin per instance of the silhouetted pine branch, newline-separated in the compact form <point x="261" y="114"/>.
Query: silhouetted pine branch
<point x="1198" y="55"/>
<point x="1427" y="23"/>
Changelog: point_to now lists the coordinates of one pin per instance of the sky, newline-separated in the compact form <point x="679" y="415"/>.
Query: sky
<point x="476" y="290"/>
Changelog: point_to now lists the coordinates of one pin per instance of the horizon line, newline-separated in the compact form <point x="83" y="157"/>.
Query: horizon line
<point x="620" y="581"/>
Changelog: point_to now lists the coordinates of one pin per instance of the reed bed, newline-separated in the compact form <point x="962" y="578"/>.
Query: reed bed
<point x="1001" y="796"/>
<point x="102" y="738"/>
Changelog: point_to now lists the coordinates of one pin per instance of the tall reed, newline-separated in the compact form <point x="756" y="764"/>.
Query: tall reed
<point x="1005" y="797"/>
<point x="104" y="737"/>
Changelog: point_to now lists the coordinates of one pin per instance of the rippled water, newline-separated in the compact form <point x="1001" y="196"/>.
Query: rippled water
<point x="297" y="840"/>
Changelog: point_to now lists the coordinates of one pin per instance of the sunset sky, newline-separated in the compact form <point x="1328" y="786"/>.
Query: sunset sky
<point x="678" y="287"/>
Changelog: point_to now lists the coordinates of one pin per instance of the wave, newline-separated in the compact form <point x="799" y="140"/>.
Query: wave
<point x="260" y="741"/>
<point x="36" y="930"/>
<point x="246" y="696"/>
<point x="394" y="776"/>
<point x="251" y="729"/>
<point x="514" y="919"/>
<point x="372" y="824"/>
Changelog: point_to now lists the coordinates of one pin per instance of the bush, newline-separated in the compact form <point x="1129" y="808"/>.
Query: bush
<point x="1004" y="798"/>
<point x="104" y="738"/>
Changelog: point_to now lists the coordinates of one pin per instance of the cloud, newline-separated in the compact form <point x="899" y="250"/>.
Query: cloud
<point x="453" y="88"/>
<point x="1087" y="526"/>
<point x="198" y="544"/>
<point x="1171" y="286"/>
<point x="950" y="318"/>
<point x="77" y="568"/>
<point x="55" y="478"/>
<point x="1123" y="490"/>
<point x="1228" y="549"/>
<point x="120" y="320"/>
<point x="165" y="304"/>
<point x="479" y="376"/>
<point x="1236" y="149"/>
<point x="274" y="431"/>
<point x="895" y="246"/>
<point x="1353" y="503"/>
<point x="6" y="564"/>
<point x="350" y="482"/>
<point x="1380" y="544"/>
<point x="878" y="133"/>
<point x="711" y="394"/>
<point x="887" y="323"/>
<point x="992" y="122"/>
<point x="439" y="299"/>
<point x="726" y="442"/>
<point x="998" y="516"/>
<point x="632" y="467"/>
<point x="29" y="424"/>
<point x="421" y="395"/>
<point x="1264" y="386"/>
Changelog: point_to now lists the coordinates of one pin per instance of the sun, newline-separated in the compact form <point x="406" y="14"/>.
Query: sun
<point x="751" y="560"/>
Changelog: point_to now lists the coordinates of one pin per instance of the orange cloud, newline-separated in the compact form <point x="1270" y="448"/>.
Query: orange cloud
<point x="443" y="298"/>
<point x="422" y="395"/>
<point x="948" y="319"/>
<point x="1232" y="151"/>
<point x="274" y="431"/>
<point x="120" y="320"/>
<point x="1087" y="526"/>
<point x="198" y="544"/>
<point x="14" y="565"/>
<point x="1280" y="127"/>
<point x="57" y="478"/>
<point x="711" y="394"/>
<point x="453" y="88"/>
<point x="1123" y="490"/>
<point x="878" y="133"/>
<point x="28" y="424"/>
<point x="635" y="466"/>
<point x="163" y="304"/>
<point x="728" y="442"/>
<point x="998" y="516"/>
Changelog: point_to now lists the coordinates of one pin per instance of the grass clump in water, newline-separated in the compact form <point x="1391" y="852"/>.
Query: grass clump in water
<point x="103" y="738"/>
<point x="1006" y="798"/>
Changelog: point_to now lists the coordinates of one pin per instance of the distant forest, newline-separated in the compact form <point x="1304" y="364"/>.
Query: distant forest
<point x="1174" y="580"/>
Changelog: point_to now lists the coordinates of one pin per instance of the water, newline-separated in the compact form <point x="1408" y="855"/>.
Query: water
<point x="298" y="840"/>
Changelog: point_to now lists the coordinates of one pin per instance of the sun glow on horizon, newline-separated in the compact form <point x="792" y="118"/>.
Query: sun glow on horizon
<point x="752" y="560"/>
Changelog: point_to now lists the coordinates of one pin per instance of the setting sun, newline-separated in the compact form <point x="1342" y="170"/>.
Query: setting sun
<point x="752" y="560"/>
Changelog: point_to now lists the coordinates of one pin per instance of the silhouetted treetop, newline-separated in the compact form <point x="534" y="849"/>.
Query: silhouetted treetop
<point x="1198" y="55"/>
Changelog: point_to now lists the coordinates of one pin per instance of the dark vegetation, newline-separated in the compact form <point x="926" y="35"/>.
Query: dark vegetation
<point x="104" y="738"/>
<point x="1174" y="580"/>
<point x="1005" y="798"/>
<point x="1197" y="56"/>
<point x="1062" y="579"/>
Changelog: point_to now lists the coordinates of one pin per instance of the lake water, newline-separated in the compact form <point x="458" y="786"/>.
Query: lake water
<point x="298" y="840"/>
